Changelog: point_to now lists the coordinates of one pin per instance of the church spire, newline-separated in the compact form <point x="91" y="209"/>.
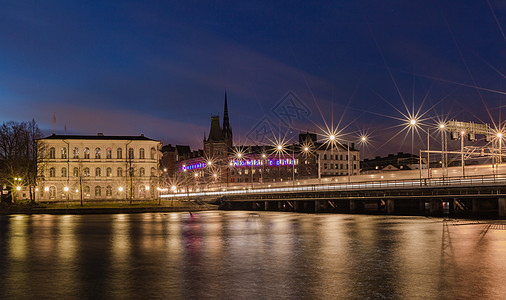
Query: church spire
<point x="227" y="131"/>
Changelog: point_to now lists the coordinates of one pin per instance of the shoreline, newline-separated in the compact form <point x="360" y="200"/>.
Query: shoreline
<point x="101" y="210"/>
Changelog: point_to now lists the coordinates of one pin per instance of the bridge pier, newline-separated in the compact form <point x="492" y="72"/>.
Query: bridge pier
<point x="501" y="207"/>
<point x="266" y="205"/>
<point x="390" y="206"/>
<point x="476" y="207"/>
<point x="435" y="207"/>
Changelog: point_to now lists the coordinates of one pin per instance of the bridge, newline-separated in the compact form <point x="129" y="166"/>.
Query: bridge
<point x="482" y="192"/>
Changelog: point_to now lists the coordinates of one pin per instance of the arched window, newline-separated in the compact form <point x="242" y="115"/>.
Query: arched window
<point x="97" y="153"/>
<point x="108" y="172"/>
<point x="98" y="172"/>
<point x="141" y="153"/>
<point x="51" y="153"/>
<point x="86" y="172"/>
<point x="108" y="191"/>
<point x="76" y="171"/>
<point x="52" y="192"/>
<point x="86" y="191"/>
<point x="63" y="153"/>
<point x="131" y="153"/>
<point x="119" y="172"/>
<point x="52" y="172"/>
<point x="86" y="153"/>
<point x="63" y="172"/>
<point x="119" y="153"/>
<point x="75" y="152"/>
<point x="153" y="152"/>
<point x="142" y="172"/>
<point x="142" y="191"/>
<point x="98" y="191"/>
<point x="108" y="153"/>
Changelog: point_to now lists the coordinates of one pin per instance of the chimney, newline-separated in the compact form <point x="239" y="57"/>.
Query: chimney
<point x="100" y="134"/>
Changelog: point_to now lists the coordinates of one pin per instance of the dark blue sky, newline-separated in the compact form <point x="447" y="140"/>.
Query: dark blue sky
<point x="161" y="67"/>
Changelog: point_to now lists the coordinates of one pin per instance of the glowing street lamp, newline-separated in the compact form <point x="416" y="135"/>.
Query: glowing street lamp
<point x="120" y="189"/>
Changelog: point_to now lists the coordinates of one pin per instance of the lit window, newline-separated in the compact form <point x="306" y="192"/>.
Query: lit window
<point x="142" y="191"/>
<point x="108" y="172"/>
<point x="86" y="153"/>
<point x="142" y="172"/>
<point x="86" y="172"/>
<point x="76" y="172"/>
<point x="108" y="153"/>
<point x="64" y="153"/>
<point x="97" y="153"/>
<point x="76" y="152"/>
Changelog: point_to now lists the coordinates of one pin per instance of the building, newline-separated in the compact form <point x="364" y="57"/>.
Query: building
<point x="333" y="159"/>
<point x="392" y="162"/>
<point x="98" y="167"/>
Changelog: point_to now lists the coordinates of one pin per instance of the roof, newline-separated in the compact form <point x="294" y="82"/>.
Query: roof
<point x="98" y="137"/>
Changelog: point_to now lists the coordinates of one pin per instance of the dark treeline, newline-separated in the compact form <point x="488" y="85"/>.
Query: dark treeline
<point x="18" y="158"/>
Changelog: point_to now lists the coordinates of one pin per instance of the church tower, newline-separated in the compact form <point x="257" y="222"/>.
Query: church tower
<point x="218" y="143"/>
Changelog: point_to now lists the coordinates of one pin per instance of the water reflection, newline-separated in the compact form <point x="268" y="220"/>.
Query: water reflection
<point x="249" y="255"/>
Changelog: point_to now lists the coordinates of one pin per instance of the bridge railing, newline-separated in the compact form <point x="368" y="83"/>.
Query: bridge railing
<point x="365" y="185"/>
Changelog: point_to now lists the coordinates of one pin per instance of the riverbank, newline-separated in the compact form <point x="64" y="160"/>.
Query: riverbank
<point x="100" y="208"/>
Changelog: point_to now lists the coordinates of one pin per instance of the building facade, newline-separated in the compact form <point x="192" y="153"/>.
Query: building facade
<point x="87" y="167"/>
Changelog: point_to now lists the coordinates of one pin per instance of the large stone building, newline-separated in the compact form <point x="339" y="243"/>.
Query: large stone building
<point x="98" y="167"/>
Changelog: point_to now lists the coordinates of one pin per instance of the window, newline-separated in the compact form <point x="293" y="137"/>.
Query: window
<point x="52" y="172"/>
<point x="98" y="172"/>
<point x="153" y="171"/>
<point x="346" y="157"/>
<point x="341" y="157"/>
<point x="341" y="166"/>
<point x="51" y="153"/>
<point x="142" y="191"/>
<point x="86" y="191"/>
<point x="142" y="172"/>
<point x="119" y="172"/>
<point x="325" y="166"/>
<point x="325" y="156"/>
<point x="141" y="153"/>
<point x="63" y="172"/>
<point x="119" y="153"/>
<point x="354" y="157"/>
<point x="76" y="172"/>
<point x="75" y="152"/>
<point x="97" y="153"/>
<point x="52" y="192"/>
<point x="108" y="191"/>
<point x="108" y="153"/>
<point x="131" y="153"/>
<point x="98" y="191"/>
<point x="86" y="172"/>
<point x="108" y="172"/>
<point x="64" y="153"/>
<point x="86" y="153"/>
<point x="153" y="152"/>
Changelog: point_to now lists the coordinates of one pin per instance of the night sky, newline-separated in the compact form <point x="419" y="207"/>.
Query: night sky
<point x="161" y="68"/>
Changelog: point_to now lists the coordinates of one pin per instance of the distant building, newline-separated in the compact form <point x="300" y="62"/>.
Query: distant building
<point x="392" y="162"/>
<point x="98" y="167"/>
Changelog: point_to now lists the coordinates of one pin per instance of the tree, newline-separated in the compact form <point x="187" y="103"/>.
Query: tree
<point x="19" y="155"/>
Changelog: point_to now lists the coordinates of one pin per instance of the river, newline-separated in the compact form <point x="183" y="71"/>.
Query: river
<point x="238" y="254"/>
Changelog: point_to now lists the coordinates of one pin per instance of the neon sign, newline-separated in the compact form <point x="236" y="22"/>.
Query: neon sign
<point x="193" y="166"/>
<point x="270" y="162"/>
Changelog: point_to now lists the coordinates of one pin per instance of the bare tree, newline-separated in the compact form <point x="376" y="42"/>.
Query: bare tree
<point x="19" y="155"/>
